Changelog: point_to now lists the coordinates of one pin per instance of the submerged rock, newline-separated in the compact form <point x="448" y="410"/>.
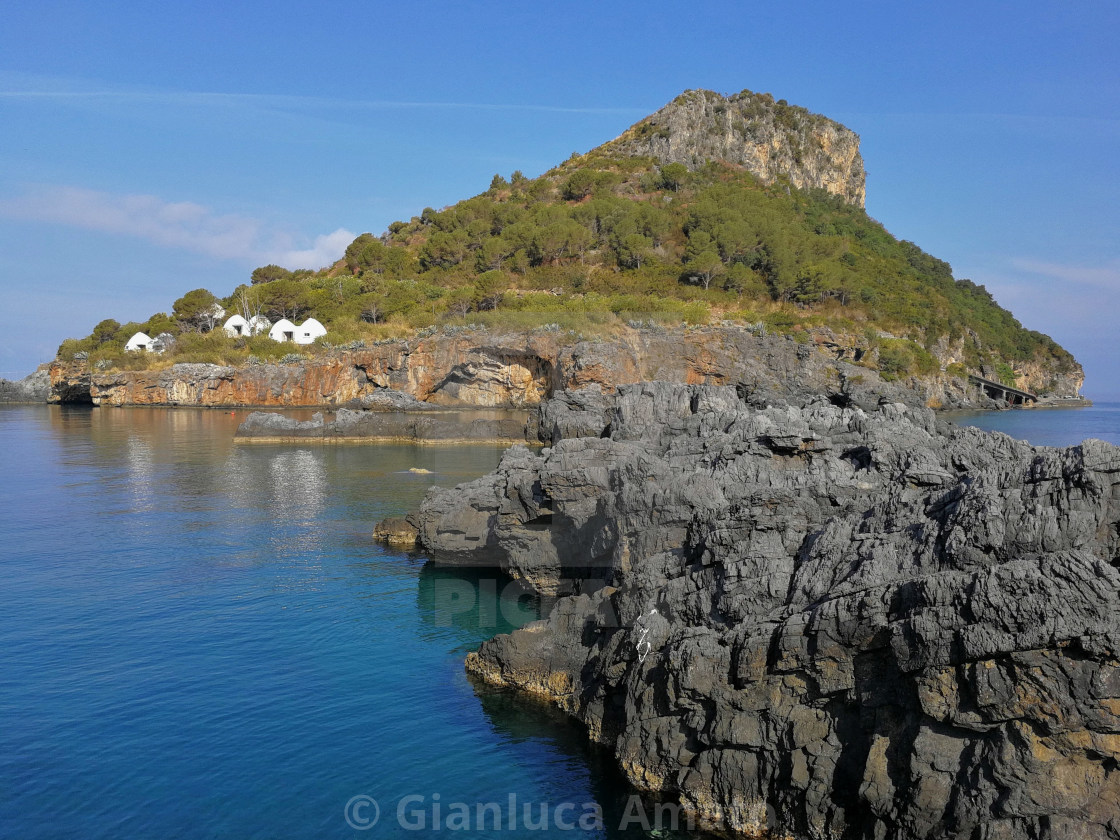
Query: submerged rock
<point x="381" y="424"/>
<point x="833" y="621"/>
<point x="395" y="531"/>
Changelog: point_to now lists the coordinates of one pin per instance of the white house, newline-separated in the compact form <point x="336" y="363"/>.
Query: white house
<point x="140" y="341"/>
<point x="308" y="331"/>
<point x="283" y="330"/>
<point x="305" y="333"/>
<point x="258" y="324"/>
<point x="236" y="325"/>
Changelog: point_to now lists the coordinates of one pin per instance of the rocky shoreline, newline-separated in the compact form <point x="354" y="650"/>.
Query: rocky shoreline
<point x="518" y="370"/>
<point x="350" y="426"/>
<point x="824" y="617"/>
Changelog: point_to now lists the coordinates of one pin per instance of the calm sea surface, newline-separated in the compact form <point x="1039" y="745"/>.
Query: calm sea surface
<point x="1049" y="426"/>
<point x="200" y="639"/>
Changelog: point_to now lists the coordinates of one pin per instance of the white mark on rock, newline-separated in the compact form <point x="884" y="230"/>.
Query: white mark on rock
<point x="643" y="646"/>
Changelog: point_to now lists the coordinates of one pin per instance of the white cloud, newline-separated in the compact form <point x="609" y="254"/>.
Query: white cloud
<point x="31" y="87"/>
<point x="327" y="248"/>
<point x="174" y="224"/>
<point x="1105" y="277"/>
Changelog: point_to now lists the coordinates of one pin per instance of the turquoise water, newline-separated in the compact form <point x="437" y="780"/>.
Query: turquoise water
<point x="1050" y="426"/>
<point x="200" y="639"/>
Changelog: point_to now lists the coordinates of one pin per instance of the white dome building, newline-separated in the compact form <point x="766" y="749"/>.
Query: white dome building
<point x="283" y="330"/>
<point x="308" y="331"/>
<point x="235" y="325"/>
<point x="138" y="342"/>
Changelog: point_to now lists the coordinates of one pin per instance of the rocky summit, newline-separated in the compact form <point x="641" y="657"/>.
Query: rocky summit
<point x="770" y="139"/>
<point x="817" y="619"/>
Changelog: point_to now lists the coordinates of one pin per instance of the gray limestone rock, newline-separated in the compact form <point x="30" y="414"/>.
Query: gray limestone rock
<point x="388" y="399"/>
<point x="829" y="620"/>
<point x="767" y="138"/>
<point x="430" y="426"/>
<point x="33" y="388"/>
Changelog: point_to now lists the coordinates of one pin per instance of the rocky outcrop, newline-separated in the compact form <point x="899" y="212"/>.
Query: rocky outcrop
<point x="451" y="370"/>
<point x="770" y="139"/>
<point x="71" y="382"/>
<point x="396" y="531"/>
<point x="419" y="427"/>
<point x="326" y="381"/>
<point x="1049" y="379"/>
<point x="827" y="620"/>
<point x="34" y="388"/>
<point x="518" y="370"/>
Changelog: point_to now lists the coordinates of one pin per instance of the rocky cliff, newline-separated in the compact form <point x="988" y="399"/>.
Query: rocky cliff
<point x="827" y="620"/>
<point x="34" y="388"/>
<point x="770" y="139"/>
<point x="515" y="370"/>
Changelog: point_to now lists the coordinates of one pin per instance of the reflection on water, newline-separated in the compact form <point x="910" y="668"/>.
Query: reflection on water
<point x="522" y="719"/>
<point x="200" y="639"/>
<point x="140" y="472"/>
<point x="299" y="485"/>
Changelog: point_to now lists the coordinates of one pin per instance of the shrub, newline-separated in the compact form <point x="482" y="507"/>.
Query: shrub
<point x="902" y="357"/>
<point x="780" y="321"/>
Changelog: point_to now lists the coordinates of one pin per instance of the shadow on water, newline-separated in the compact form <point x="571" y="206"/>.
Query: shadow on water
<point x="472" y="604"/>
<point x="467" y="606"/>
<point x="626" y="815"/>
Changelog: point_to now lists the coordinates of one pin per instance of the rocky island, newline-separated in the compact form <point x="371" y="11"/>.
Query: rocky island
<point x="721" y="239"/>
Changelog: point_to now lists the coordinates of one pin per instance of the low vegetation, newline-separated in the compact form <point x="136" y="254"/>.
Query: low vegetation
<point x="603" y="242"/>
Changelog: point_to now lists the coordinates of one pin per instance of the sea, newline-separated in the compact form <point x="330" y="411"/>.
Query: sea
<point x="200" y="639"/>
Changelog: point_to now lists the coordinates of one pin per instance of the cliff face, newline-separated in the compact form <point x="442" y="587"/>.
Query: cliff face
<point x="768" y="138"/>
<point x="508" y="370"/>
<point x="34" y="388"/>
<point x="816" y="619"/>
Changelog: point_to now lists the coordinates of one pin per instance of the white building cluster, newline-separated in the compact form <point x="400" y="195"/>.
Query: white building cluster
<point x="141" y="341"/>
<point x="237" y="325"/>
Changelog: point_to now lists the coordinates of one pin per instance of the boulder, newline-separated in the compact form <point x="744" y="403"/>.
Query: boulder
<point x="396" y="531"/>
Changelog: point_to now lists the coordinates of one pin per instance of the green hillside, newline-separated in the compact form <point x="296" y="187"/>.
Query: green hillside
<point x="605" y="240"/>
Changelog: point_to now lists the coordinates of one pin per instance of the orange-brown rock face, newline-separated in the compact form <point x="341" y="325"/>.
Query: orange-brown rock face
<point x="326" y="382"/>
<point x="70" y="382"/>
<point x="480" y="369"/>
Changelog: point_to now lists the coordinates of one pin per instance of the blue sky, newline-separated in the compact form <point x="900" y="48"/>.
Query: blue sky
<point x="148" y="149"/>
